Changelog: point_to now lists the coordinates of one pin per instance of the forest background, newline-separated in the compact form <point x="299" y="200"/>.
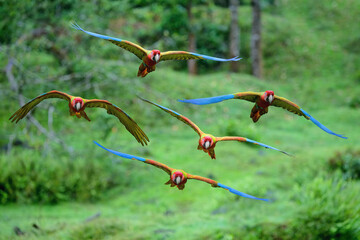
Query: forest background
<point x="56" y="184"/>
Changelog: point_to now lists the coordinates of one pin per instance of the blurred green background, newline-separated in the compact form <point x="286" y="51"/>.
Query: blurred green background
<point x="56" y="184"/>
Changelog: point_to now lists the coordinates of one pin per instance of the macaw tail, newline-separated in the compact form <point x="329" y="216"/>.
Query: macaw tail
<point x="142" y="70"/>
<point x="255" y="114"/>
<point x="317" y="123"/>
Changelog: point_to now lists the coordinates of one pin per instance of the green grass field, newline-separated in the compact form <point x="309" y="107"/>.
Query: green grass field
<point x="311" y="56"/>
<point x="148" y="209"/>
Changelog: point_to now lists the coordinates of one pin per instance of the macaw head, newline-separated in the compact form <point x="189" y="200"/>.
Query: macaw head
<point x="178" y="177"/>
<point x="77" y="103"/>
<point x="206" y="142"/>
<point x="269" y="96"/>
<point x="155" y="55"/>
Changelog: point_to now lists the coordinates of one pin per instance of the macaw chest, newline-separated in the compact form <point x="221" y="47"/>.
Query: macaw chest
<point x="148" y="62"/>
<point x="262" y="104"/>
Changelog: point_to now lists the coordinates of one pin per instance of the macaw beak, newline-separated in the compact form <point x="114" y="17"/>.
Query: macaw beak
<point x="157" y="57"/>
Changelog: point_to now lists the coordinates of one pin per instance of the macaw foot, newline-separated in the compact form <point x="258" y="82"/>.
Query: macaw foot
<point x="78" y="114"/>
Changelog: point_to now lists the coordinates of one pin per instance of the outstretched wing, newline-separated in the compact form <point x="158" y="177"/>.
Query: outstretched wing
<point x="125" y="119"/>
<point x="177" y="115"/>
<point x="127" y="45"/>
<point x="242" y="139"/>
<point x="148" y="161"/>
<point x="24" y="110"/>
<point x="249" y="96"/>
<point x="183" y="55"/>
<point x="317" y="123"/>
<point x="288" y="105"/>
<point x="292" y="107"/>
<point x="216" y="184"/>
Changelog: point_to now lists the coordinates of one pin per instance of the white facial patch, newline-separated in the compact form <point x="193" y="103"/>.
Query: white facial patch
<point x="271" y="98"/>
<point x="157" y="57"/>
<point x="207" y="144"/>
<point x="177" y="179"/>
<point x="78" y="106"/>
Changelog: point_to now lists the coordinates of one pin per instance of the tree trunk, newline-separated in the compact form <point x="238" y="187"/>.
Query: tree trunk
<point x="256" y="52"/>
<point x="192" y="41"/>
<point x="234" y="34"/>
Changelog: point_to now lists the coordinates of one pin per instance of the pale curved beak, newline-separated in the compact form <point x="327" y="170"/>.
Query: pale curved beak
<point x="157" y="57"/>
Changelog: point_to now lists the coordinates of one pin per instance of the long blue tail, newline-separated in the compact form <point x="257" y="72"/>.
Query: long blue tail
<point x="241" y="193"/>
<point x="210" y="100"/>
<point x="124" y="155"/>
<point x="317" y="123"/>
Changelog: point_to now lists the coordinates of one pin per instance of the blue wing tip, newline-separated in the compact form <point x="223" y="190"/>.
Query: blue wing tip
<point x="76" y="26"/>
<point x="317" y="123"/>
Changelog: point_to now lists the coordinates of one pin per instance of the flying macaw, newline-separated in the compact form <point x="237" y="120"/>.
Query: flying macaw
<point x="207" y="142"/>
<point x="151" y="58"/>
<point x="262" y="102"/>
<point x="179" y="177"/>
<point x="77" y="107"/>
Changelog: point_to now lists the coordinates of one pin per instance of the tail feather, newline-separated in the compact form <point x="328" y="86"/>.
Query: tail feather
<point x="142" y="71"/>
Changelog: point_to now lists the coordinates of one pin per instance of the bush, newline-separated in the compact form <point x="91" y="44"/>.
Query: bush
<point x="29" y="178"/>
<point x="347" y="162"/>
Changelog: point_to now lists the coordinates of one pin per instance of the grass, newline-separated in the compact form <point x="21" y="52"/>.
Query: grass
<point x="310" y="60"/>
<point x="149" y="209"/>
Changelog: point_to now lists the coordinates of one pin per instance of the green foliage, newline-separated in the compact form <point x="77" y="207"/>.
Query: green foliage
<point x="347" y="162"/>
<point x="96" y="230"/>
<point x="28" y="177"/>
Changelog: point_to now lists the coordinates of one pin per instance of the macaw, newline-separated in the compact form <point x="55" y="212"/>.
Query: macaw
<point x="151" y="58"/>
<point x="262" y="102"/>
<point x="207" y="142"/>
<point x="179" y="177"/>
<point x="77" y="107"/>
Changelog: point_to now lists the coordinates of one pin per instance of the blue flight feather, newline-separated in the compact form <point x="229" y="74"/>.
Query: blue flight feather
<point x="215" y="58"/>
<point x="240" y="193"/>
<point x="77" y="27"/>
<point x="210" y="100"/>
<point x="160" y="106"/>
<point x="124" y="155"/>
<point x="266" y="146"/>
<point x="317" y="123"/>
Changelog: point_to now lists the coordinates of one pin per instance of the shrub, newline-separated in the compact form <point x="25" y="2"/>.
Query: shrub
<point x="347" y="162"/>
<point x="29" y="178"/>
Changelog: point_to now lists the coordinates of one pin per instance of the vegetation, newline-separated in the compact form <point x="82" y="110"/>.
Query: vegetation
<point x="61" y="186"/>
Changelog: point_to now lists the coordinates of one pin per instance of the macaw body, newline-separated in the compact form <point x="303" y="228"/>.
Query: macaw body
<point x="262" y="102"/>
<point x="261" y="106"/>
<point x="151" y="58"/>
<point x="77" y="107"/>
<point x="207" y="142"/>
<point x="148" y="63"/>
<point x="179" y="177"/>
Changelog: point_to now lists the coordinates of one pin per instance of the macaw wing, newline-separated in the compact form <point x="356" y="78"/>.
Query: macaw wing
<point x="24" y="110"/>
<point x="317" y="123"/>
<point x="125" y="119"/>
<point x="242" y="139"/>
<point x="217" y="184"/>
<point x="288" y="105"/>
<point x="148" y="161"/>
<point x="248" y="96"/>
<point x="292" y="107"/>
<point x="127" y="45"/>
<point x="177" y="115"/>
<point x="183" y="55"/>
